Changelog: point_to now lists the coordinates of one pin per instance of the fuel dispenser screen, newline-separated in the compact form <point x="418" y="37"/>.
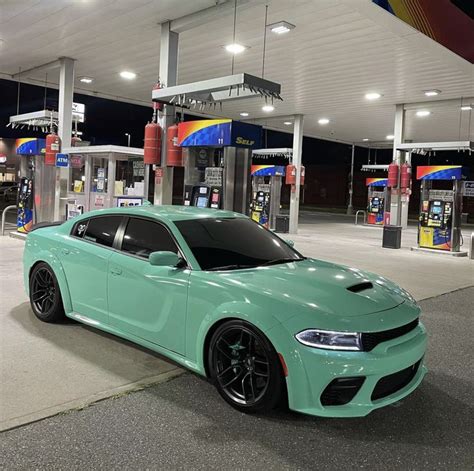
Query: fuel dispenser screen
<point x="202" y="202"/>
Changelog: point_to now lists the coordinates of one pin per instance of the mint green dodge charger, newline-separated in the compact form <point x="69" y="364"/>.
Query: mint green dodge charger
<point x="224" y="297"/>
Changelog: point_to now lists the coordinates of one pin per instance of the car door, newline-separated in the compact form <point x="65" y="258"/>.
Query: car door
<point x="148" y="301"/>
<point x="84" y="256"/>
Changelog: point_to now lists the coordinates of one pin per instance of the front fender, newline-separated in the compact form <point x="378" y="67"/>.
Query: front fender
<point x="262" y="319"/>
<point x="55" y="264"/>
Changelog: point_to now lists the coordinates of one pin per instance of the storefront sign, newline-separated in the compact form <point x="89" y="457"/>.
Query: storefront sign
<point x="78" y="112"/>
<point x="127" y="202"/>
<point x="62" y="160"/>
<point x="76" y="161"/>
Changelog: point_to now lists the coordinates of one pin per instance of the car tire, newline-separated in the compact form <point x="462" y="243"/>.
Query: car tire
<point x="45" y="295"/>
<point x="245" y="368"/>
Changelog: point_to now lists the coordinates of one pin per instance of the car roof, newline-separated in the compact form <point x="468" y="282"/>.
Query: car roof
<point x="168" y="212"/>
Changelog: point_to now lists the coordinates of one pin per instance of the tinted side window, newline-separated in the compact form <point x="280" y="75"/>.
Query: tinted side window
<point x="102" y="230"/>
<point x="143" y="237"/>
<point x="80" y="228"/>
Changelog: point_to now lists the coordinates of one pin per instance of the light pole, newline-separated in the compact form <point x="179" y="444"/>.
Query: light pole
<point x="128" y="138"/>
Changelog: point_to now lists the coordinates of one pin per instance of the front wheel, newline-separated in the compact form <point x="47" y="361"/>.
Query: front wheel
<point x="245" y="367"/>
<point x="45" y="296"/>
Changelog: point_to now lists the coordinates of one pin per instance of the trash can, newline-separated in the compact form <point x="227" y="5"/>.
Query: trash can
<point x="282" y="224"/>
<point x="392" y="237"/>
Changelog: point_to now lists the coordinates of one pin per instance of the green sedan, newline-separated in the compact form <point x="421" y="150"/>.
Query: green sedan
<point x="222" y="296"/>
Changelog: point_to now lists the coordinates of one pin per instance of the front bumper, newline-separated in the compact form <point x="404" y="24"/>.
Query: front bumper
<point x="311" y="370"/>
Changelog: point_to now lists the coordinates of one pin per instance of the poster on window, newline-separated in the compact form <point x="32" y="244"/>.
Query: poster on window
<point x="213" y="176"/>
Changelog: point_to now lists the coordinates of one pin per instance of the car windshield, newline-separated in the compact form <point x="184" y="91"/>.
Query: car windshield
<point x="233" y="243"/>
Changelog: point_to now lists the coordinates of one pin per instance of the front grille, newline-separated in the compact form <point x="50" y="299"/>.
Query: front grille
<point x="371" y="340"/>
<point x="341" y="391"/>
<point x="392" y="383"/>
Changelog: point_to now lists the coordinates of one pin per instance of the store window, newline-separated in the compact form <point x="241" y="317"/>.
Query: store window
<point x="99" y="175"/>
<point x="143" y="237"/>
<point x="130" y="178"/>
<point x="77" y="175"/>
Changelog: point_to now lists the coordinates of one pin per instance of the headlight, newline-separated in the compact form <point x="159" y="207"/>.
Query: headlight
<point x="330" y="340"/>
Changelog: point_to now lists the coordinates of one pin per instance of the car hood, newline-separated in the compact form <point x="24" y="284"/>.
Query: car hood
<point x="322" y="286"/>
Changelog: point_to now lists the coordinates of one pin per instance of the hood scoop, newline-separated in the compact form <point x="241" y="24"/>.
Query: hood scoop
<point x="361" y="287"/>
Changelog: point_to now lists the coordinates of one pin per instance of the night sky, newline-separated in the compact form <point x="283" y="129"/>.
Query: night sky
<point x="327" y="163"/>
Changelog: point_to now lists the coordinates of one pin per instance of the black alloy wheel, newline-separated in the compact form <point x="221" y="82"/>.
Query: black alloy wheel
<point x="45" y="295"/>
<point x="245" y="367"/>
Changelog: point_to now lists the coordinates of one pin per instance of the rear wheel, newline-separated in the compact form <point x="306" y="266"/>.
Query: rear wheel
<point x="45" y="295"/>
<point x="245" y="367"/>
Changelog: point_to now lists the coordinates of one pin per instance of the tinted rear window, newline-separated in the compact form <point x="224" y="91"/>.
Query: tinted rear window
<point x="100" y="230"/>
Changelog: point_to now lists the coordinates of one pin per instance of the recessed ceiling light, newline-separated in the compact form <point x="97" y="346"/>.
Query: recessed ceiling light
<point x="423" y="113"/>
<point x="126" y="74"/>
<point x="244" y="113"/>
<point x="287" y="123"/>
<point x="390" y="137"/>
<point x="372" y="96"/>
<point x="268" y="108"/>
<point x="86" y="79"/>
<point x="235" y="48"/>
<point x="432" y="92"/>
<point x="323" y="121"/>
<point x="281" y="27"/>
<point x="365" y="139"/>
<point x="466" y="107"/>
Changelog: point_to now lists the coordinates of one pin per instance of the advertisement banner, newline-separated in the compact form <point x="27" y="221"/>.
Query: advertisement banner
<point x="439" y="172"/>
<point x="30" y="146"/>
<point x="267" y="170"/>
<point x="219" y="132"/>
<point x="206" y="132"/>
<point x="376" y="181"/>
<point x="246" y="135"/>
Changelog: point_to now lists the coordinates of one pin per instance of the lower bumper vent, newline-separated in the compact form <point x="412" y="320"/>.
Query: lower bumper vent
<point x="392" y="383"/>
<point x="341" y="391"/>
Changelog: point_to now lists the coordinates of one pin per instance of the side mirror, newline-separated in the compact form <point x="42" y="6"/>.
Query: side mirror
<point x="291" y="243"/>
<point x="164" y="259"/>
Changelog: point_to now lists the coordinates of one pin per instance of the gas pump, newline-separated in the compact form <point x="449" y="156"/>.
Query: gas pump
<point x="440" y="209"/>
<point x="35" y="200"/>
<point x="217" y="159"/>
<point x="25" y="205"/>
<point x="375" y="202"/>
<point x="266" y="193"/>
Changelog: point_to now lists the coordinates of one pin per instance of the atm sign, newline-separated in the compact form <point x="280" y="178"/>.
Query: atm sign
<point x="62" y="160"/>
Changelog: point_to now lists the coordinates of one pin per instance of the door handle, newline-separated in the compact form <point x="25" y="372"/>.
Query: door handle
<point x="65" y="251"/>
<point x="116" y="271"/>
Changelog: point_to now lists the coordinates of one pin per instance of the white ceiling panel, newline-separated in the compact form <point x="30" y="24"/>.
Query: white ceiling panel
<point x="339" y="50"/>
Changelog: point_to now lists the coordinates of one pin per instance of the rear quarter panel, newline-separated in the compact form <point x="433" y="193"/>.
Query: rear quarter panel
<point x="42" y="245"/>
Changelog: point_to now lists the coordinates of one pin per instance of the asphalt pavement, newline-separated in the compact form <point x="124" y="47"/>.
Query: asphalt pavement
<point x="184" y="424"/>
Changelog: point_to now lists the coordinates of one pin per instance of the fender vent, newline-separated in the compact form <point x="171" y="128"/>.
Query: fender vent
<point x="361" y="287"/>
